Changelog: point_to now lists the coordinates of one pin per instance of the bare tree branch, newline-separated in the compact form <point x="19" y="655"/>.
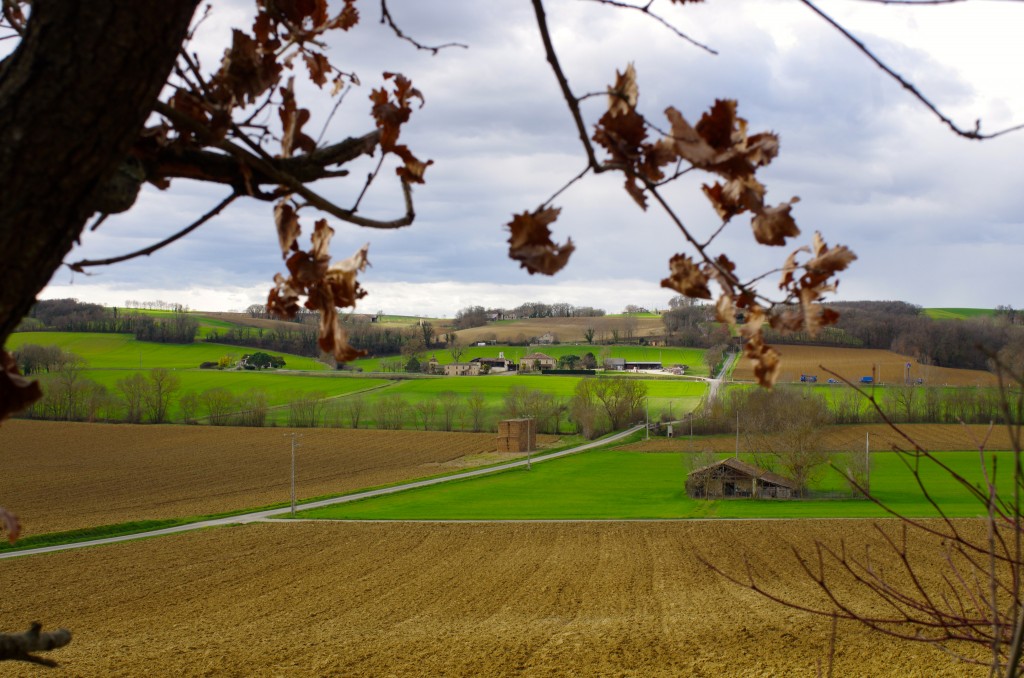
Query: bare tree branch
<point x="907" y="85"/>
<point x="146" y="251"/>
<point x="388" y="20"/>
<point x="20" y="646"/>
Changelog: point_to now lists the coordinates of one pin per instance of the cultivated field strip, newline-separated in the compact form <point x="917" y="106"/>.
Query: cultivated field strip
<point x="398" y="599"/>
<point x="854" y="363"/>
<point x="60" y="476"/>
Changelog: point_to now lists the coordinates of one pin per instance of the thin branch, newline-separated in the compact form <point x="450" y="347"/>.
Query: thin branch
<point x="146" y="251"/>
<point x="563" y="83"/>
<point x="388" y="20"/>
<point x="968" y="134"/>
<point x="564" y="188"/>
<point x="645" y="9"/>
<point x="369" y="180"/>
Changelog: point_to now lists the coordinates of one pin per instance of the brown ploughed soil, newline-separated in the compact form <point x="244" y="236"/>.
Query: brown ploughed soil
<point x="854" y="363"/>
<point x="497" y="599"/>
<point x="60" y="476"/>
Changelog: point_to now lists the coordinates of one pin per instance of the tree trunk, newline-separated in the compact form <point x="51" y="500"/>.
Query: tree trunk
<point x="73" y="97"/>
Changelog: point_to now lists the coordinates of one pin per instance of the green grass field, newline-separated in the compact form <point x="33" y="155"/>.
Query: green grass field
<point x="122" y="351"/>
<point x="610" y="484"/>
<point x="957" y="313"/>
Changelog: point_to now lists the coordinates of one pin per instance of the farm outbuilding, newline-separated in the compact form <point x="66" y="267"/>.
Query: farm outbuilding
<point x="734" y="478"/>
<point x="517" y="435"/>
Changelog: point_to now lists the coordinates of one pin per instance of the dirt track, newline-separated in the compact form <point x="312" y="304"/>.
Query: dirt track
<point x="534" y="599"/>
<point x="58" y="476"/>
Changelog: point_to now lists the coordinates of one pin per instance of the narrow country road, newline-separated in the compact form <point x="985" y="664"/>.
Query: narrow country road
<point x="256" y="516"/>
<point x="714" y="383"/>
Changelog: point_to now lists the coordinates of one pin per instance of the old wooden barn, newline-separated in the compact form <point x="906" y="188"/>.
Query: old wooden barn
<point x="734" y="478"/>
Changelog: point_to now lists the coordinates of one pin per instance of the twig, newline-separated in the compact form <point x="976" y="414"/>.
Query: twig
<point x="968" y="134"/>
<point x="386" y="19"/>
<point x="645" y="9"/>
<point x="146" y="251"/>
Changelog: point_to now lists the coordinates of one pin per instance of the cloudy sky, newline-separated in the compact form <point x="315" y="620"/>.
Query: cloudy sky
<point x="934" y="219"/>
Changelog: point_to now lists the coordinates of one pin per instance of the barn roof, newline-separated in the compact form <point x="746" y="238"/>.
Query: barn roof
<point x="750" y="470"/>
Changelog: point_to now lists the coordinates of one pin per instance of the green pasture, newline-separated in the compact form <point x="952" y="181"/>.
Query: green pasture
<point x="612" y="484"/>
<point x="279" y="387"/>
<point x="104" y="351"/>
<point x="957" y="313"/>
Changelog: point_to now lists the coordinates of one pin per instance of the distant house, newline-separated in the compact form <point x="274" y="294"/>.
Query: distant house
<point x="615" y="363"/>
<point x="462" y="369"/>
<point x="734" y="478"/>
<point x="499" y="364"/>
<point x="536" y="361"/>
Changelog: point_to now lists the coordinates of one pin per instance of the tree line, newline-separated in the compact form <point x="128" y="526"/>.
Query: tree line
<point x="900" y="403"/>
<point x="71" y="315"/>
<point x="478" y="316"/>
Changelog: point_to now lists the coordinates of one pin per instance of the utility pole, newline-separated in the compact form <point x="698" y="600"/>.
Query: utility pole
<point x="647" y="418"/>
<point x="737" y="434"/>
<point x="294" y="445"/>
<point x="867" y="458"/>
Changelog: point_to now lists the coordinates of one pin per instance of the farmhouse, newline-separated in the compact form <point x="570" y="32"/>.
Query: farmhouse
<point x="536" y="361"/>
<point x="462" y="369"/>
<point x="734" y="478"/>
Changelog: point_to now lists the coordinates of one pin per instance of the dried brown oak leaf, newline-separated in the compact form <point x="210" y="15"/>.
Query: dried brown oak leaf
<point x="318" y="66"/>
<point x="719" y="142"/>
<point x="390" y="113"/>
<point x="292" y="121"/>
<point x="772" y="225"/>
<point x="766" y="360"/>
<point x="325" y="287"/>
<point x="16" y="392"/>
<point x="287" y="221"/>
<point x="736" y="196"/>
<point x="686" y="278"/>
<point x="623" y="95"/>
<point x="247" y="70"/>
<point x="530" y="242"/>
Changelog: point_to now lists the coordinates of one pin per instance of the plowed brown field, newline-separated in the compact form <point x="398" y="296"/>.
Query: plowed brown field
<point x="60" y="476"/>
<point x="533" y="599"/>
<point x="934" y="437"/>
<point x="854" y="363"/>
